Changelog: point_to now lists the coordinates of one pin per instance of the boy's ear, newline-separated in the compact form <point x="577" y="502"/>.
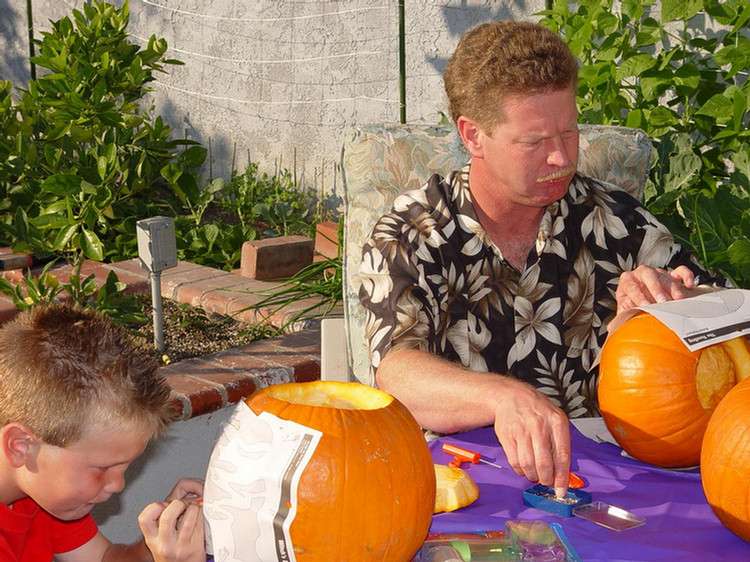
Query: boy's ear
<point x="471" y="135"/>
<point x="19" y="444"/>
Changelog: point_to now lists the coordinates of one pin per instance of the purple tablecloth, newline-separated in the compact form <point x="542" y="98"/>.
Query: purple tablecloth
<point x="680" y="526"/>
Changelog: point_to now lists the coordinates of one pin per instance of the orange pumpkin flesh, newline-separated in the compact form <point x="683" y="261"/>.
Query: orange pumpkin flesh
<point x="455" y="488"/>
<point x="656" y="396"/>
<point x="368" y="492"/>
<point x="725" y="461"/>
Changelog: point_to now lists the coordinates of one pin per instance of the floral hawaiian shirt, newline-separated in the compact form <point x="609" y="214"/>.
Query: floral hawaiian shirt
<point x="433" y="280"/>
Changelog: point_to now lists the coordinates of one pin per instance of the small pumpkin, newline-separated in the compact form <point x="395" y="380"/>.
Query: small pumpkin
<point x="368" y="492"/>
<point x="656" y="396"/>
<point x="725" y="461"/>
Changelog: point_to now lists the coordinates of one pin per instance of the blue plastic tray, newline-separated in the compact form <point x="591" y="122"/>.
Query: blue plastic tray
<point x="542" y="497"/>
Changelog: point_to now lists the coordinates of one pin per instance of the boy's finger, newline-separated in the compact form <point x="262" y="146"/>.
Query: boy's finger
<point x="189" y="518"/>
<point x="148" y="520"/>
<point x="170" y="516"/>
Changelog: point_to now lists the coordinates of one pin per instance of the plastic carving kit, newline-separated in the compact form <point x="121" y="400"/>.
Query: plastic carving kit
<point x="521" y="541"/>
<point x="542" y="497"/>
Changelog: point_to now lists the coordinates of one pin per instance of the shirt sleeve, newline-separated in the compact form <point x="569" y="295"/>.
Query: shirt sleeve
<point x="398" y="312"/>
<point x="660" y="249"/>
<point x="69" y="535"/>
<point x="623" y="232"/>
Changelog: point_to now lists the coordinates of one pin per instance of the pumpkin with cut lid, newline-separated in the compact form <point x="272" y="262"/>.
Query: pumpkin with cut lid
<point x="656" y="396"/>
<point x="368" y="491"/>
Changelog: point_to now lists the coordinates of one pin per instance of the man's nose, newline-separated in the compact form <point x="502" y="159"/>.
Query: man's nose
<point x="558" y="154"/>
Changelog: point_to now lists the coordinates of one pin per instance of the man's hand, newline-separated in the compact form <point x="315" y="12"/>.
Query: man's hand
<point x="535" y="435"/>
<point x="646" y="285"/>
<point x="447" y="398"/>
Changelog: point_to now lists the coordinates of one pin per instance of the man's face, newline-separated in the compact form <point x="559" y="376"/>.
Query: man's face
<point x="68" y="482"/>
<point x="530" y="158"/>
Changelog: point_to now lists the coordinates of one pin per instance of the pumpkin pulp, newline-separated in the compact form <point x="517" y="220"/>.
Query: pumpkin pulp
<point x="714" y="376"/>
<point x="455" y="488"/>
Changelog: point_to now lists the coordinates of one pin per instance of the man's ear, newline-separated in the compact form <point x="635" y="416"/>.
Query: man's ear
<point x="19" y="444"/>
<point x="471" y="135"/>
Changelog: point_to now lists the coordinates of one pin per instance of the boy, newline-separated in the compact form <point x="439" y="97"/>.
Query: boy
<point x="78" y="403"/>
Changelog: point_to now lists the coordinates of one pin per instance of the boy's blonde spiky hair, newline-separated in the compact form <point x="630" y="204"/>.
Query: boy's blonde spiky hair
<point x="65" y="369"/>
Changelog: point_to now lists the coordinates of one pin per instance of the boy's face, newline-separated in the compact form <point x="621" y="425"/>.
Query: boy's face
<point x="68" y="482"/>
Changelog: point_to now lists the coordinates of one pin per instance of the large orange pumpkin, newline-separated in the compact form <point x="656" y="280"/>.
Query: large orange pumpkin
<point x="656" y="396"/>
<point x="725" y="461"/>
<point x="368" y="492"/>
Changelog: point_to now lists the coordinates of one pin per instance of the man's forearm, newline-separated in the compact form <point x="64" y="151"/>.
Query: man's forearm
<point x="441" y="395"/>
<point x="447" y="398"/>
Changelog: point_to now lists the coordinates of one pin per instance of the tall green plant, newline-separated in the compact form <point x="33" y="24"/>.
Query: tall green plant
<point x="680" y="74"/>
<point x="275" y="203"/>
<point x="249" y="206"/>
<point x="80" y="161"/>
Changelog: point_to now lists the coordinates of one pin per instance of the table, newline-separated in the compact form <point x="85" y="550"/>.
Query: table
<point x="680" y="526"/>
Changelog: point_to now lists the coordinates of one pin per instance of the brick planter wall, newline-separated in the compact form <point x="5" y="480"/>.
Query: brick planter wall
<point x="206" y="384"/>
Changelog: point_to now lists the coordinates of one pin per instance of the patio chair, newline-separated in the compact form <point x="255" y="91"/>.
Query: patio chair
<point x="380" y="162"/>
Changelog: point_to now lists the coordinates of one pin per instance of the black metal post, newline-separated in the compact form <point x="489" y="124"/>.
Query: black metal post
<point x="30" y="22"/>
<point x="402" y="60"/>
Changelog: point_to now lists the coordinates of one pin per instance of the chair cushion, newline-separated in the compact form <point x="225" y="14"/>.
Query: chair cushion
<point x="381" y="162"/>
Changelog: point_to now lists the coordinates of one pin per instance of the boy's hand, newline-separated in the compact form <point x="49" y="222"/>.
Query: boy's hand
<point x="173" y="529"/>
<point x="186" y="489"/>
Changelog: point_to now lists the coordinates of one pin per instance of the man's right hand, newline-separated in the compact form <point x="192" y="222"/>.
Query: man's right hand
<point x="447" y="398"/>
<point x="535" y="435"/>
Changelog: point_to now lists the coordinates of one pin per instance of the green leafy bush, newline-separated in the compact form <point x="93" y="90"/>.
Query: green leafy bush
<point x="680" y="74"/>
<point x="274" y="204"/>
<point x="111" y="298"/>
<point x="80" y="161"/>
<point x="249" y="206"/>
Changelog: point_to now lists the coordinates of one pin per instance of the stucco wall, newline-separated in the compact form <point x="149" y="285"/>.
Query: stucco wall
<point x="282" y="81"/>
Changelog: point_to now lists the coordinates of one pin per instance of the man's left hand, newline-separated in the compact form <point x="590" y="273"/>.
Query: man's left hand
<point x="647" y="285"/>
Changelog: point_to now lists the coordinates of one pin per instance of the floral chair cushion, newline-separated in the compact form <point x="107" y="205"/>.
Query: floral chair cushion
<point x="380" y="162"/>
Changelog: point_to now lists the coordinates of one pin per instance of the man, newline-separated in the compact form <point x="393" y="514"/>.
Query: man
<point x="489" y="291"/>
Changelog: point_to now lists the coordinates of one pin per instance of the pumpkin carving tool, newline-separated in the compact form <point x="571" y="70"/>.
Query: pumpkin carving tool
<point x="462" y="455"/>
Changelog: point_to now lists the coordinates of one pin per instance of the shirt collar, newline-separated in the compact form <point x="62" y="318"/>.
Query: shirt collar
<point x="461" y="193"/>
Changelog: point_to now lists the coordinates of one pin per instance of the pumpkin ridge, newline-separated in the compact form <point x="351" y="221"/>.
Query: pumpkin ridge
<point x="339" y="537"/>
<point x="682" y="432"/>
<point x="365" y="493"/>
<point x="725" y="461"/>
<point x="388" y="554"/>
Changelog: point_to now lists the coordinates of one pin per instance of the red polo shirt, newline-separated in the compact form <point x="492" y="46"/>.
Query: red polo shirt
<point x="30" y="534"/>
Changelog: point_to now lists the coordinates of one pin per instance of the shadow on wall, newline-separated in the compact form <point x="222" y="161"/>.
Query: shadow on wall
<point x="16" y="45"/>
<point x="226" y="155"/>
<point x="459" y="21"/>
